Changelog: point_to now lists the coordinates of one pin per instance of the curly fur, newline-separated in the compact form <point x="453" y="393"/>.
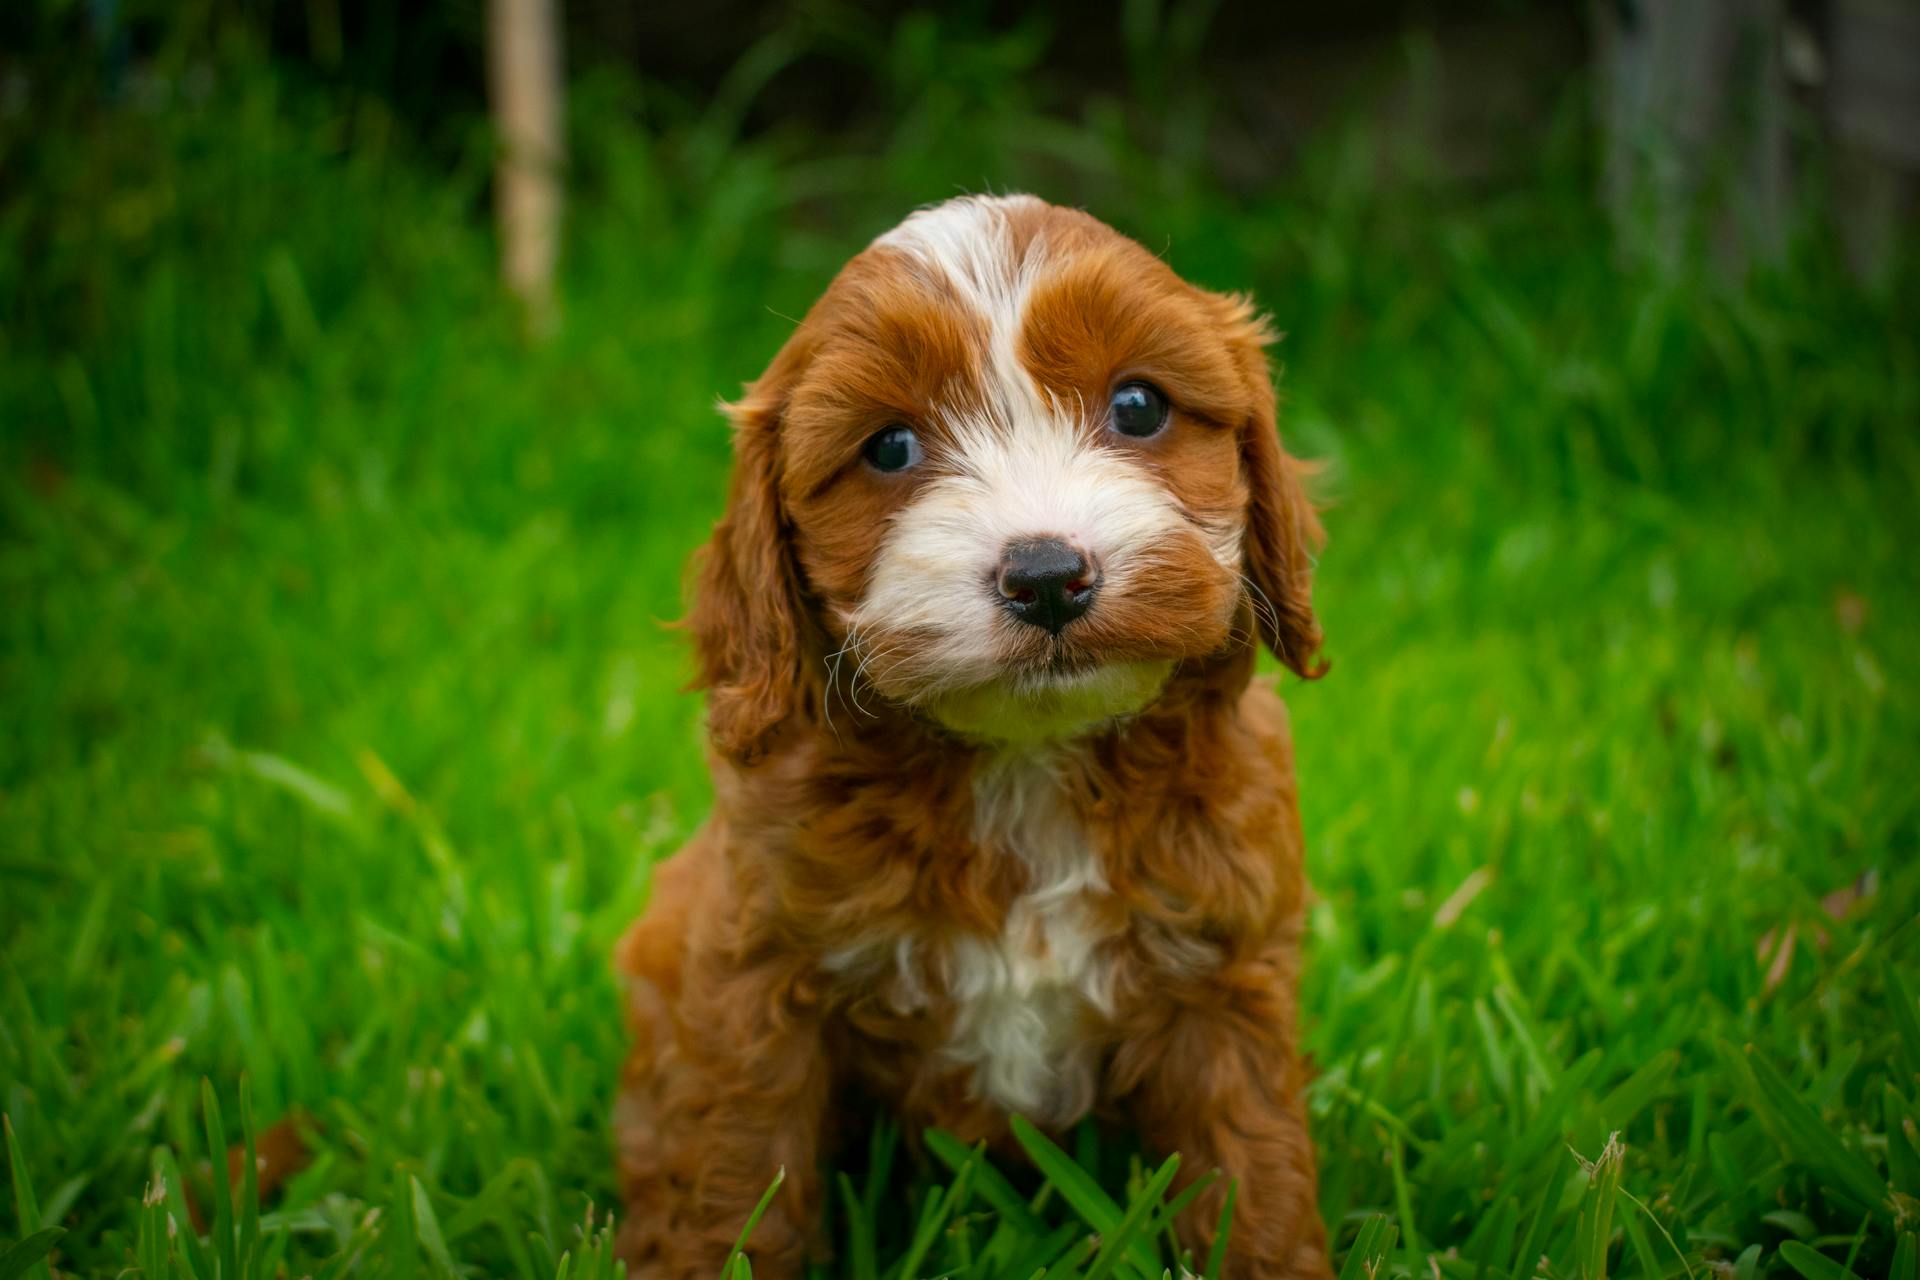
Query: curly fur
<point x="1101" y="917"/>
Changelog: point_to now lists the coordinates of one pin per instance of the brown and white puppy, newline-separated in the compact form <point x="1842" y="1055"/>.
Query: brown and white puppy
<point x="1003" y="823"/>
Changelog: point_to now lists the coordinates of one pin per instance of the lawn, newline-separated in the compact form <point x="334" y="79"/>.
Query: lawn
<point x="341" y="727"/>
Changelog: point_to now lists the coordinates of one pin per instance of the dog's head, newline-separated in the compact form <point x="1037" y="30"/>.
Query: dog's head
<point x="1007" y="474"/>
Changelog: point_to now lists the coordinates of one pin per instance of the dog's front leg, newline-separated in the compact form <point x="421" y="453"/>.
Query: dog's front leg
<point x="1213" y="1075"/>
<point x="726" y="1086"/>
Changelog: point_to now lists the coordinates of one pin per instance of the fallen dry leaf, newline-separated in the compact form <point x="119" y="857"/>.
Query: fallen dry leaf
<point x="279" y="1152"/>
<point x="1836" y="905"/>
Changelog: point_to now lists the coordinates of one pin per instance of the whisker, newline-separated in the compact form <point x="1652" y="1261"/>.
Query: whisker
<point x="865" y="656"/>
<point x="832" y="662"/>
<point x="1271" y="615"/>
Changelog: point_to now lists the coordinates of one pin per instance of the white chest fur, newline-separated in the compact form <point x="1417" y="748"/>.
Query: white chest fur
<point x="1021" y="999"/>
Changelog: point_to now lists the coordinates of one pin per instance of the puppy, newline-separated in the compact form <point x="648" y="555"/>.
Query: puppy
<point x="1003" y="824"/>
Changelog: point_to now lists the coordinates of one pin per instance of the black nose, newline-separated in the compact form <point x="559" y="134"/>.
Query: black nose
<point x="1046" y="582"/>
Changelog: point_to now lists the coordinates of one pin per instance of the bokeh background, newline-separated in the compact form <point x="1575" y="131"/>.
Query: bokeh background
<point x="339" y="727"/>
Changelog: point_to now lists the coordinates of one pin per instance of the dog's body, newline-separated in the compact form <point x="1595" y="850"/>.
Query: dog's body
<point x="1041" y="855"/>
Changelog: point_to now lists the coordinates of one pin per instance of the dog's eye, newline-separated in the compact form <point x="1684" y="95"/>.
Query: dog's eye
<point x="892" y="448"/>
<point x="1138" y="409"/>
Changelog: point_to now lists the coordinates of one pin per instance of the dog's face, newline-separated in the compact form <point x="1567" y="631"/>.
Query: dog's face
<point x="1008" y="473"/>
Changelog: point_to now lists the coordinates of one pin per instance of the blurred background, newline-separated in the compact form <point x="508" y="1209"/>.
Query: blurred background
<point x="357" y="378"/>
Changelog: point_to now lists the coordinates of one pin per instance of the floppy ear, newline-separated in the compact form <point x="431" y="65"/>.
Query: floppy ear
<point x="748" y="621"/>
<point x="1283" y="532"/>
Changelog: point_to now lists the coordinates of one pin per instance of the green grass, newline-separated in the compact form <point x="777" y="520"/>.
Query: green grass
<point x="340" y="730"/>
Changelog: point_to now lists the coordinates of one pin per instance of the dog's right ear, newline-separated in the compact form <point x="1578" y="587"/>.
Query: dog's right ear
<point x="1283" y="532"/>
<point x="748" y="621"/>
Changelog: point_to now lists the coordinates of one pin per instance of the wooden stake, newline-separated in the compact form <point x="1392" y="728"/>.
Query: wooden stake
<point x="523" y="74"/>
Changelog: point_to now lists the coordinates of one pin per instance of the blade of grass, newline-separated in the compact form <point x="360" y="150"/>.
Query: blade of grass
<point x="26" y="1209"/>
<point x="1371" y="1245"/>
<point x="1626" y="1099"/>
<point x="1545" y="1209"/>
<point x="1139" y="1214"/>
<point x="541" y="1248"/>
<point x="1165" y="1217"/>
<point x="1595" y="1225"/>
<point x="1812" y="1265"/>
<point x="1499" y="1067"/>
<point x="486" y="1204"/>
<point x="859" y="1233"/>
<point x="1506" y="999"/>
<point x="426" y="1225"/>
<point x="1662" y="1228"/>
<point x="1551" y="1118"/>
<point x="1042" y="1252"/>
<point x="26" y="1254"/>
<point x="151" y="1244"/>
<point x="1804" y="1133"/>
<point x="936" y="1212"/>
<point x="1068" y="1267"/>
<point x="1080" y="1191"/>
<point x="249" y="1248"/>
<point x="987" y="1180"/>
<point x="1906" y="1019"/>
<point x="1222" y="1228"/>
<point x="753" y="1219"/>
<point x="223" y="1239"/>
<point x="403" y="1247"/>
<point x="1906" y="1258"/>
<point x="1859" y="1240"/>
<point x="167" y="1170"/>
<point x="1726" y="1170"/>
<point x="1641" y="1244"/>
<point x="1403" y="1193"/>
<point x="1903" y="1159"/>
<point x="1497" y="1250"/>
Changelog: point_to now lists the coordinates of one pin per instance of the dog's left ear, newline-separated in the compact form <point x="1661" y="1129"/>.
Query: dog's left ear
<point x="748" y="620"/>
<point x="1283" y="532"/>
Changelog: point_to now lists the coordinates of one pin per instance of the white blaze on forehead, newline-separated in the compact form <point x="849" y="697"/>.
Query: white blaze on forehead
<point x="967" y="244"/>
